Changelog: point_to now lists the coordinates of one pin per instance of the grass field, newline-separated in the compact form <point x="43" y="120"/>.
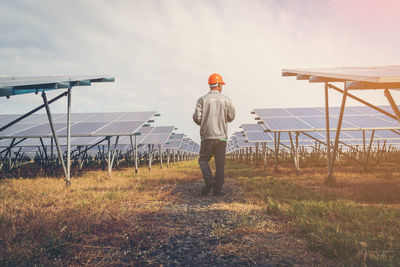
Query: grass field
<point x="102" y="220"/>
<point x="357" y="221"/>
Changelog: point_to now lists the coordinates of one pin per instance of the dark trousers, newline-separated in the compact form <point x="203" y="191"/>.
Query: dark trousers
<point x="216" y="148"/>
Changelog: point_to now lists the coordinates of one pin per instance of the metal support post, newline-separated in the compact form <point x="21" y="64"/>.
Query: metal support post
<point x="328" y="138"/>
<point x="110" y="164"/>
<point x="339" y="125"/>
<point x="160" y="155"/>
<point x="150" y="156"/>
<point x="168" y="155"/>
<point x="54" y="134"/>
<point x="68" y="178"/>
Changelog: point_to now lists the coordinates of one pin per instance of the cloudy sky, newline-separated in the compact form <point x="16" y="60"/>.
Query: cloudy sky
<point x="162" y="52"/>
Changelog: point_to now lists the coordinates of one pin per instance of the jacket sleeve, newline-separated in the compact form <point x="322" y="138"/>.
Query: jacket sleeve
<point x="198" y="112"/>
<point x="231" y="111"/>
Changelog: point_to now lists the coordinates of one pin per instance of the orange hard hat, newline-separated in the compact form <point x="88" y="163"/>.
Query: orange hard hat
<point x="215" y="78"/>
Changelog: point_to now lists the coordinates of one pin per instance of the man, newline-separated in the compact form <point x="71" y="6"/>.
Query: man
<point x="213" y="112"/>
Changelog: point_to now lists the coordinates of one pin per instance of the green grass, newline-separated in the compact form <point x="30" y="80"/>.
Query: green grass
<point x="335" y="224"/>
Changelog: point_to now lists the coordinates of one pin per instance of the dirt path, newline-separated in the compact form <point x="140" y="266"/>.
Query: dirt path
<point x="222" y="231"/>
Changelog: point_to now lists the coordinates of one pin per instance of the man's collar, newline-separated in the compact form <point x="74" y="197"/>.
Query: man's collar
<point x="214" y="92"/>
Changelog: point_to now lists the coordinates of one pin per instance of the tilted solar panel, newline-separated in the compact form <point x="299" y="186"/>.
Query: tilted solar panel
<point x="137" y="116"/>
<point x="161" y="138"/>
<point x="119" y="128"/>
<point x="163" y="129"/>
<point x="253" y="127"/>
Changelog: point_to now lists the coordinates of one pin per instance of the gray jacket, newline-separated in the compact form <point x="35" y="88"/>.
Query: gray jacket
<point x="213" y="112"/>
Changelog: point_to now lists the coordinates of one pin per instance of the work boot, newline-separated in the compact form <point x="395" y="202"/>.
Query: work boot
<point x="206" y="189"/>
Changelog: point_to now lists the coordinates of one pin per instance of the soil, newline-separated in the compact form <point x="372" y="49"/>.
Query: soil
<point x="228" y="230"/>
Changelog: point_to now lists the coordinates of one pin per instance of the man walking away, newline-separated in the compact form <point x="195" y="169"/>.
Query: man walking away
<point x="213" y="112"/>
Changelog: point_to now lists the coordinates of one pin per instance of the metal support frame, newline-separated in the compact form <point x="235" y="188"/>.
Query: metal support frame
<point x="338" y="128"/>
<point x="55" y="136"/>
<point x="392" y="104"/>
<point x="277" y="141"/>
<point x="150" y="155"/>
<point x="328" y="138"/>
<point x="111" y="159"/>
<point x="68" y="178"/>
<point x="364" y="102"/>
<point x="168" y="155"/>
<point x="369" y="150"/>
<point x="160" y="155"/>
<point x="32" y="111"/>
<point x="134" y="148"/>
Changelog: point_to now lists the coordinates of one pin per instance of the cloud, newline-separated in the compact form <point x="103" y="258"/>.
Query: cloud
<point x="161" y="52"/>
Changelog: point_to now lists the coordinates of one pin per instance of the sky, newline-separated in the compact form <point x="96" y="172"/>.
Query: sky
<point x="161" y="53"/>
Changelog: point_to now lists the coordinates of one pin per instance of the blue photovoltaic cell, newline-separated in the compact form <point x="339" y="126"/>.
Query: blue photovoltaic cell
<point x="105" y="117"/>
<point x="40" y="130"/>
<point x="163" y="129"/>
<point x="9" y="118"/>
<point x="289" y="123"/>
<point x="320" y="123"/>
<point x="177" y="137"/>
<point x="239" y="135"/>
<point x="120" y="128"/>
<point x="272" y="112"/>
<point x="356" y="134"/>
<point x="38" y="119"/>
<point x="83" y="128"/>
<point x="172" y="145"/>
<point x="386" y="134"/>
<point x="12" y="130"/>
<point x="298" y="112"/>
<point x="361" y="110"/>
<point x="369" y="122"/>
<point x="253" y="127"/>
<point x="126" y="139"/>
<point x="386" y="118"/>
<point x="334" y="111"/>
<point x="145" y="130"/>
<point x="156" y="138"/>
<point x="258" y="136"/>
<point x="75" y="117"/>
<point x="136" y="116"/>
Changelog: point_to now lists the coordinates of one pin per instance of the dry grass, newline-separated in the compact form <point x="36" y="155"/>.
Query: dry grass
<point x="125" y="219"/>
<point x="355" y="221"/>
<point x="43" y="222"/>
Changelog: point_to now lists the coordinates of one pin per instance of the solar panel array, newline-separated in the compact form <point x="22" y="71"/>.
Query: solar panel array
<point x="82" y="124"/>
<point x="278" y="122"/>
<point x="313" y="119"/>
<point x="88" y="129"/>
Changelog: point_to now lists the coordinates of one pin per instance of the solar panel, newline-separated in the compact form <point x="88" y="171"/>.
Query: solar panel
<point x="12" y="130"/>
<point x="258" y="136"/>
<point x="253" y="127"/>
<point x="369" y="121"/>
<point x="83" y="128"/>
<point x="355" y="118"/>
<point x="119" y="128"/>
<point x="272" y="112"/>
<point x="306" y="112"/>
<point x="285" y="124"/>
<point x="163" y="129"/>
<point x="102" y="117"/>
<point x="136" y="116"/>
<point x="172" y="145"/>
